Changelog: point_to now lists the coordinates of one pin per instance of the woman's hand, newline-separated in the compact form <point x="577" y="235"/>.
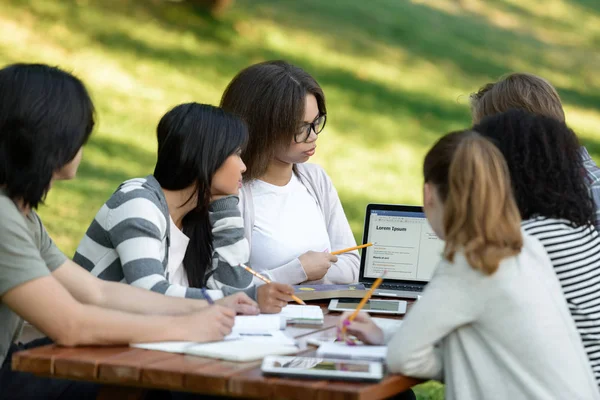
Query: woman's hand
<point x="362" y="327"/>
<point x="273" y="296"/>
<point x="210" y="324"/>
<point x="316" y="264"/>
<point x="240" y="303"/>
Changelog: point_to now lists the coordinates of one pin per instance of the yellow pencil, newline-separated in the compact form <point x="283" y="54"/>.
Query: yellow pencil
<point x="259" y="276"/>
<point x="362" y="303"/>
<point x="362" y="246"/>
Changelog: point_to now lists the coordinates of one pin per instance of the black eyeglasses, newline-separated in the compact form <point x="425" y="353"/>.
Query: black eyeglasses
<point x="317" y="125"/>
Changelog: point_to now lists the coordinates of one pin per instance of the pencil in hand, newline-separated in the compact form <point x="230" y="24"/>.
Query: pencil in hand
<point x="266" y="280"/>
<point x="362" y="246"/>
<point x="361" y="304"/>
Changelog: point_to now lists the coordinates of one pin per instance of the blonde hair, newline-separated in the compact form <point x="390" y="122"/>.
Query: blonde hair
<point x="519" y="90"/>
<point x="481" y="217"/>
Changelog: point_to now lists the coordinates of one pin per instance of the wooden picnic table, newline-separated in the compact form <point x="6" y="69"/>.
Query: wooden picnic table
<point x="127" y="371"/>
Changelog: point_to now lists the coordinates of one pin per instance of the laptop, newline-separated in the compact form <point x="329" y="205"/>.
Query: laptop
<point x="404" y="245"/>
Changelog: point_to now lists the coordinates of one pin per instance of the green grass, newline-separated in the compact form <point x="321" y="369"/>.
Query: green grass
<point x="396" y="74"/>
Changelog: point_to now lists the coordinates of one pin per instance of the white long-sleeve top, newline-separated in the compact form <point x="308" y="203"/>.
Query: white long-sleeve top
<point x="321" y="189"/>
<point x="504" y="336"/>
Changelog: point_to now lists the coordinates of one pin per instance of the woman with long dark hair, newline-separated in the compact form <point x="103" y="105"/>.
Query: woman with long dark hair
<point x="179" y="230"/>
<point x="46" y="117"/>
<point x="293" y="215"/>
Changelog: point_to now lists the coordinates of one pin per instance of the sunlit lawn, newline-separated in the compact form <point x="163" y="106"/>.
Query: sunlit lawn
<point x="397" y="74"/>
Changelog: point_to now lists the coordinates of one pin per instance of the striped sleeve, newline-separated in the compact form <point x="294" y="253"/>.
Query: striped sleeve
<point x="136" y="228"/>
<point x="231" y="248"/>
<point x="575" y="255"/>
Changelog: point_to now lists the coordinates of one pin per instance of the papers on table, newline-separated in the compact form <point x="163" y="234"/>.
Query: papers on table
<point x="169" y="347"/>
<point x="297" y="314"/>
<point x="356" y="352"/>
<point x="240" y="350"/>
<point x="258" y="323"/>
<point x="256" y="332"/>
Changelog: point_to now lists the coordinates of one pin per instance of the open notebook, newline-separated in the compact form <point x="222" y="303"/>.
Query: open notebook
<point x="253" y="337"/>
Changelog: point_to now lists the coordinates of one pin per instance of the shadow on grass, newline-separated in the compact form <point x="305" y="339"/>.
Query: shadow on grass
<point x="592" y="6"/>
<point x="464" y="41"/>
<point x="369" y="96"/>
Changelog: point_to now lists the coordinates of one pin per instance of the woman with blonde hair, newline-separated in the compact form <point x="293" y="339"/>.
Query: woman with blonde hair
<point x="493" y="322"/>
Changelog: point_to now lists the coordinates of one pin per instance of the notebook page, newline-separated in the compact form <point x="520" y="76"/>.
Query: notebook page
<point x="358" y="352"/>
<point x="298" y="312"/>
<point x="258" y="323"/>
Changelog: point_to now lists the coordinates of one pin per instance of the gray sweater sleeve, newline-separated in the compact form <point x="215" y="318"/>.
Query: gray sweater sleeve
<point x="138" y="241"/>
<point x="230" y="249"/>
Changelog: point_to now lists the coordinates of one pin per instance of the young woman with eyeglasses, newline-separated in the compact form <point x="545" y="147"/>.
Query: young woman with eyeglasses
<point x="293" y="217"/>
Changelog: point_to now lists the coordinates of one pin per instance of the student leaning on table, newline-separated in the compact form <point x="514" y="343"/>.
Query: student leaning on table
<point x="293" y="216"/>
<point x="493" y="322"/>
<point x="46" y="116"/>
<point x="180" y="229"/>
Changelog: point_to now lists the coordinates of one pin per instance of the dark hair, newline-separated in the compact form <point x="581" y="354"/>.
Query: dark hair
<point x="518" y="90"/>
<point x="481" y="217"/>
<point x="271" y="98"/>
<point x="46" y="116"/>
<point x="194" y="140"/>
<point x="545" y="164"/>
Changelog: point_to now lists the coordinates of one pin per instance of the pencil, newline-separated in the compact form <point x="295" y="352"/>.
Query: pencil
<point x="266" y="280"/>
<point x="362" y="246"/>
<point x="362" y="303"/>
<point x="206" y="296"/>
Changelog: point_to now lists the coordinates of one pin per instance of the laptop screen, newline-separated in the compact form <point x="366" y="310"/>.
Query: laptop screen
<point x="404" y="244"/>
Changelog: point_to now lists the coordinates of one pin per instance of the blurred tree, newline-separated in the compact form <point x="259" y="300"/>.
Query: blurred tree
<point x="215" y="7"/>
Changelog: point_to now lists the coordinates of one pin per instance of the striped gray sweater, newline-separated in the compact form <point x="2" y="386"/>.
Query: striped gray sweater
<point x="128" y="241"/>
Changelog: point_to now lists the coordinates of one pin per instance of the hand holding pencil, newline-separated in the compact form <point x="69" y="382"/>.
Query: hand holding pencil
<point x="347" y="321"/>
<point x="273" y="296"/>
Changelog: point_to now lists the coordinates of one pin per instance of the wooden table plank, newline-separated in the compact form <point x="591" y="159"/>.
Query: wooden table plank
<point x="127" y="367"/>
<point x="84" y="363"/>
<point x="342" y="390"/>
<point x="170" y="373"/>
<point x="253" y="383"/>
<point x="214" y="377"/>
<point x="39" y="360"/>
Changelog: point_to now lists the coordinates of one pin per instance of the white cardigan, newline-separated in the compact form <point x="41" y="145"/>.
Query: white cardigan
<point x="319" y="186"/>
<point x="505" y="336"/>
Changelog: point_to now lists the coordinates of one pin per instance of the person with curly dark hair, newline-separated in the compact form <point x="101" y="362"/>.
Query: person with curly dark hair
<point x="556" y="207"/>
<point x="536" y="95"/>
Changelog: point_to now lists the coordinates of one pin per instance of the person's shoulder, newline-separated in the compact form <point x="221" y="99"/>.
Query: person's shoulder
<point x="532" y="246"/>
<point x="137" y="188"/>
<point x="544" y="227"/>
<point x="11" y="217"/>
<point x="314" y="172"/>
<point x="310" y="168"/>
<point x="9" y="213"/>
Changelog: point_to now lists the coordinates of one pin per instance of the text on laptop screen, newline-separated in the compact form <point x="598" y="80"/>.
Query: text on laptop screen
<point x="404" y="245"/>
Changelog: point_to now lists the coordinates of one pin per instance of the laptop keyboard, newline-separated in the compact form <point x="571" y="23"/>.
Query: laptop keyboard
<point x="399" y="286"/>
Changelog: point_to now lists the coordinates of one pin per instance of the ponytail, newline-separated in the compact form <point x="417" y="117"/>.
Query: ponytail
<point x="481" y="217"/>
